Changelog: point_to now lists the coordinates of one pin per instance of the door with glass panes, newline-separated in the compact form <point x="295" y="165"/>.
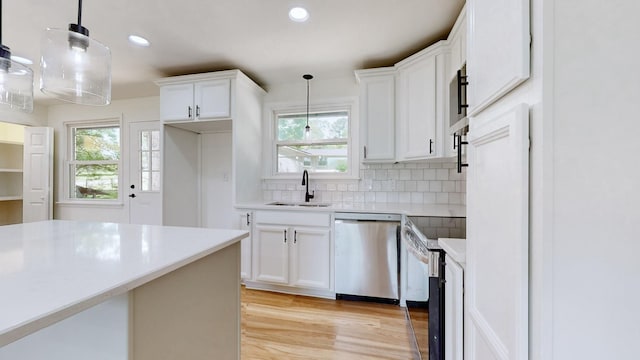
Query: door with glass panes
<point x="144" y="195"/>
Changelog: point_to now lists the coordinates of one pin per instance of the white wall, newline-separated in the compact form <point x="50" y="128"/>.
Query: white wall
<point x="36" y="118"/>
<point x="131" y="110"/>
<point x="596" y="270"/>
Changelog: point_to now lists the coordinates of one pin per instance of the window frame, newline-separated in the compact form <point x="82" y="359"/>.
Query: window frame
<point x="273" y="110"/>
<point x="69" y="159"/>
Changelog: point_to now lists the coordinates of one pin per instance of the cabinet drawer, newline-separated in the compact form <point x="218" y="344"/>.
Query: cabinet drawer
<point x="293" y="218"/>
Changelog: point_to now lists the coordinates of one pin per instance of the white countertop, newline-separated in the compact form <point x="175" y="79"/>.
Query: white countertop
<point x="456" y="248"/>
<point x="435" y="210"/>
<point x="53" y="269"/>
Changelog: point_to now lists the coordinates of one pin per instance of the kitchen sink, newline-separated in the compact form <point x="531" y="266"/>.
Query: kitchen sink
<point x="279" y="203"/>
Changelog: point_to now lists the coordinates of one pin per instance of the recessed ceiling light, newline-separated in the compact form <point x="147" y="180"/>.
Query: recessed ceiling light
<point x="139" y="40"/>
<point x="21" y="60"/>
<point x="298" y="14"/>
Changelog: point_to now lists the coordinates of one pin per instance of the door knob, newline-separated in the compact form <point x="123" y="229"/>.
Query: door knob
<point x="132" y="186"/>
<point x="132" y="195"/>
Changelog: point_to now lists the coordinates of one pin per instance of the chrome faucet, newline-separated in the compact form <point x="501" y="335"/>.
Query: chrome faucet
<point x="305" y="181"/>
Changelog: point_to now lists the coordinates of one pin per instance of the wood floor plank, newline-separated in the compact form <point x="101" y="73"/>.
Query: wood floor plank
<point x="283" y="326"/>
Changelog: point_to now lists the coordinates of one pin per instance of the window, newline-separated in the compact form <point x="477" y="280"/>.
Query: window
<point x="94" y="161"/>
<point x="149" y="152"/>
<point x="326" y="150"/>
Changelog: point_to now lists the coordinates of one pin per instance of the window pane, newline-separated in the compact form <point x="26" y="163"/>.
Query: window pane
<point x="155" y="139"/>
<point x="99" y="143"/>
<point x="145" y="161"/>
<point x="315" y="158"/>
<point x="144" y="140"/>
<point x="94" y="181"/>
<point x="155" y="160"/>
<point x="146" y="181"/>
<point x="155" y="181"/>
<point x="324" y="126"/>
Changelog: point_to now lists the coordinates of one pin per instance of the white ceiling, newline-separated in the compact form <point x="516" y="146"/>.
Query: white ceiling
<point x="255" y="36"/>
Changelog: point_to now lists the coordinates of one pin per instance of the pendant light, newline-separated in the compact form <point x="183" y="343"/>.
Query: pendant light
<point x="74" y="67"/>
<point x="16" y="80"/>
<point x="307" y="129"/>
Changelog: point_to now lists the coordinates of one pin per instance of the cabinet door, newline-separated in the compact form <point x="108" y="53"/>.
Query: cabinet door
<point x="213" y="99"/>
<point x="377" y="104"/>
<point x="453" y="310"/>
<point x="311" y="258"/>
<point x="417" y="99"/>
<point x="271" y="250"/>
<point x="176" y="102"/>
<point x="498" y="53"/>
<point x="245" y="219"/>
<point x="497" y="236"/>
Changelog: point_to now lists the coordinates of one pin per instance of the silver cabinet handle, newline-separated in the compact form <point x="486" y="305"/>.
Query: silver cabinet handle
<point x="365" y="152"/>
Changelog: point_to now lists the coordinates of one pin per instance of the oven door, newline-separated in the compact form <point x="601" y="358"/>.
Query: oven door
<point x="436" y="305"/>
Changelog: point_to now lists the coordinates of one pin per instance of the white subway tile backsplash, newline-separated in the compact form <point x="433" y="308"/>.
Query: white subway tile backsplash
<point x="449" y="186"/>
<point x="429" y="174"/>
<point x="442" y="174"/>
<point x="416" y="182"/>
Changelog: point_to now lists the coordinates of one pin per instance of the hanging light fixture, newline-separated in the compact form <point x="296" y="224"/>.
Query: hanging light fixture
<point x="307" y="129"/>
<point x="16" y="80"/>
<point x="74" y="67"/>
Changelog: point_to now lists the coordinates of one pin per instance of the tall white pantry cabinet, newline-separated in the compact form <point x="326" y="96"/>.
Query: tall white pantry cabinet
<point x="552" y="183"/>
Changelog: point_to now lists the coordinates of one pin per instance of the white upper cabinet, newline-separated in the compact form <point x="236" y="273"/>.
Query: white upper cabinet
<point x="498" y="49"/>
<point x="377" y="111"/>
<point x="458" y="45"/>
<point x="213" y="99"/>
<point x="420" y="105"/>
<point x="195" y="100"/>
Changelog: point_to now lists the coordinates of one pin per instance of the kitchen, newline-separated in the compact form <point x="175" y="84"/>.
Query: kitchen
<point x="578" y="195"/>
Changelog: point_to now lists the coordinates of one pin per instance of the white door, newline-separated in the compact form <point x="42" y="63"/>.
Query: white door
<point x="311" y="258"/>
<point x="145" y="197"/>
<point x="418" y="87"/>
<point x="213" y="99"/>
<point x="496" y="276"/>
<point x="498" y="53"/>
<point x="37" y="195"/>
<point x="216" y="181"/>
<point x="176" y="102"/>
<point x="271" y="251"/>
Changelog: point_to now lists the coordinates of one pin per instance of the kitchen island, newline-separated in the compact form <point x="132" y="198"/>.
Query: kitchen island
<point x="80" y="290"/>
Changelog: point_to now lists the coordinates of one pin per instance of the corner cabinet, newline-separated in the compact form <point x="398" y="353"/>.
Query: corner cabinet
<point x="377" y="111"/>
<point x="208" y="99"/>
<point x="491" y="73"/>
<point x="421" y="104"/>
<point x="293" y="252"/>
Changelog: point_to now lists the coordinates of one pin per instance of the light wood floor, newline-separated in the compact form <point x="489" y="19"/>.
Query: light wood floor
<point x="281" y="326"/>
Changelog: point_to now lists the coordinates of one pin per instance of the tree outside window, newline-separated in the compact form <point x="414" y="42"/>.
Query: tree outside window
<point x="94" y="168"/>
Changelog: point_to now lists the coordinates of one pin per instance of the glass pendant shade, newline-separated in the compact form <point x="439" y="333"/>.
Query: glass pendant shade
<point x="16" y="85"/>
<point x="75" y="68"/>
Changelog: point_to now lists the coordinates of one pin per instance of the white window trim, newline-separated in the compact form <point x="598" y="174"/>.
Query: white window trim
<point x="350" y="104"/>
<point x="69" y="125"/>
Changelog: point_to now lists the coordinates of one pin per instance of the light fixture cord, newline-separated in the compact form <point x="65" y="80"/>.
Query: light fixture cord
<point x="307" y="101"/>
<point x="79" y="13"/>
<point x="0" y="21"/>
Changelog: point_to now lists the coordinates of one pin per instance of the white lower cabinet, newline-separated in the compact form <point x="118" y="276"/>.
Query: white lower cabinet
<point x="293" y="251"/>
<point x="453" y="310"/>
<point x="244" y="223"/>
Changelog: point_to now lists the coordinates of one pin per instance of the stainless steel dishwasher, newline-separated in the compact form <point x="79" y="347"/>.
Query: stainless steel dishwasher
<point x="366" y="256"/>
